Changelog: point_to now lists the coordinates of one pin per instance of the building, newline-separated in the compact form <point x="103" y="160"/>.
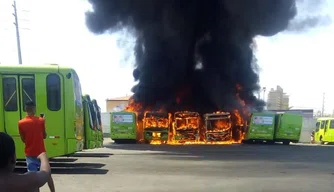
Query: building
<point x="277" y="99"/>
<point x="116" y="104"/>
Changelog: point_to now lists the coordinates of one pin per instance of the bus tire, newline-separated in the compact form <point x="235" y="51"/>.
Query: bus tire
<point x="321" y="141"/>
<point x="270" y="142"/>
<point x="286" y="142"/>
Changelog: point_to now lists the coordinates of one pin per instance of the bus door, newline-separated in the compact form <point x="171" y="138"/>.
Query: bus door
<point x="317" y="131"/>
<point x="326" y="131"/>
<point x="321" y="130"/>
<point x="331" y="131"/>
<point x="17" y="90"/>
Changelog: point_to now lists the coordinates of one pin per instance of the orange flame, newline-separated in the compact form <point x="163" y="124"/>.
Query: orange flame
<point x="187" y="127"/>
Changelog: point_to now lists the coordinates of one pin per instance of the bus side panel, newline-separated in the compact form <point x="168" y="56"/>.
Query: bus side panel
<point x="70" y="114"/>
<point x="261" y="127"/>
<point x="330" y="131"/>
<point x="90" y="134"/>
<point x="55" y="142"/>
<point x="12" y="115"/>
<point x="2" y="119"/>
<point x="290" y="127"/>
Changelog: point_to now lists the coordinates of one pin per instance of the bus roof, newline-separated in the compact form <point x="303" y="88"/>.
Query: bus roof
<point x="264" y="113"/>
<point x="325" y="118"/>
<point x="47" y="68"/>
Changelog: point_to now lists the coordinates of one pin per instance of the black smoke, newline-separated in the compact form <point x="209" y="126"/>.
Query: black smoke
<point x="192" y="54"/>
<point x="311" y="14"/>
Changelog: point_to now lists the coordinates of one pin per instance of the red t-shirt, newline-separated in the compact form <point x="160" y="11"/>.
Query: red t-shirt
<point x="32" y="128"/>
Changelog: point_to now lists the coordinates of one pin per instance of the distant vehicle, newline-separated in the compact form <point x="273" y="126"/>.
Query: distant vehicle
<point x="186" y="127"/>
<point x="218" y="127"/>
<point x="156" y="126"/>
<point x="57" y="91"/>
<point x="123" y="127"/>
<point x="274" y="127"/>
<point x="98" y="124"/>
<point x="91" y="132"/>
<point x="324" y="130"/>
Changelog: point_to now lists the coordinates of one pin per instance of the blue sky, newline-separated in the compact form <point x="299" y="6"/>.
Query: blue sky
<point x="55" y="32"/>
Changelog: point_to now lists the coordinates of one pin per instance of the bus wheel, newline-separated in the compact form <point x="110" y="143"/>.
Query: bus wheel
<point x="321" y="141"/>
<point x="286" y="142"/>
<point x="270" y="142"/>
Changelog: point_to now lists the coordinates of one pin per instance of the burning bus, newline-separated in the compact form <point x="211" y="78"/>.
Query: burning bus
<point x="156" y="126"/>
<point x="218" y="127"/>
<point x="186" y="126"/>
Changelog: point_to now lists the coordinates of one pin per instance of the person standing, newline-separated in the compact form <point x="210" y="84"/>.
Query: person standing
<point x="32" y="132"/>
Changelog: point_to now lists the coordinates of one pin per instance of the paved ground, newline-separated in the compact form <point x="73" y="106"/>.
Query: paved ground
<point x="234" y="168"/>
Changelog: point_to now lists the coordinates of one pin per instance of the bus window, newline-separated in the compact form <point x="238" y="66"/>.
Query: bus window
<point x="322" y="125"/>
<point x="331" y="125"/>
<point x="9" y="93"/>
<point x="317" y="126"/>
<point x="91" y="125"/>
<point x="53" y="92"/>
<point x="92" y="113"/>
<point x="28" y="90"/>
<point x="77" y="89"/>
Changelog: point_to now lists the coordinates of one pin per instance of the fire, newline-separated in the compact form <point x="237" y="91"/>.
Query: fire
<point x="187" y="127"/>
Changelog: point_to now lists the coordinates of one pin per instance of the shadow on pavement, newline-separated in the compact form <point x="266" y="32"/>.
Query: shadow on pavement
<point x="234" y="152"/>
<point x="69" y="168"/>
<point x="63" y="160"/>
<point x="94" y="155"/>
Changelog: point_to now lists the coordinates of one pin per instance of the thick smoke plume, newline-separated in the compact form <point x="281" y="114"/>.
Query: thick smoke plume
<point x="311" y="14"/>
<point x="194" y="55"/>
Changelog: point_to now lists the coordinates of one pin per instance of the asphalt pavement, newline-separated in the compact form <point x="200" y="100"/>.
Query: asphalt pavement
<point x="196" y="168"/>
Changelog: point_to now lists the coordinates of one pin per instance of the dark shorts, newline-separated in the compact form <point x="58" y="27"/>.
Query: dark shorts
<point x="33" y="164"/>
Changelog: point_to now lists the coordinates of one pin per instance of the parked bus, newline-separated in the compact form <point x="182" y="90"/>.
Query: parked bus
<point x="274" y="127"/>
<point x="186" y="127"/>
<point x="324" y="130"/>
<point x="123" y="127"/>
<point x="99" y="129"/>
<point x="56" y="90"/>
<point x="261" y="127"/>
<point x="217" y="127"/>
<point x="156" y="126"/>
<point x="91" y="133"/>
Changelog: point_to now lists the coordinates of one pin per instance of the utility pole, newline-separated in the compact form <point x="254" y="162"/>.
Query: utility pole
<point x="323" y="105"/>
<point x="16" y="23"/>
<point x="264" y="93"/>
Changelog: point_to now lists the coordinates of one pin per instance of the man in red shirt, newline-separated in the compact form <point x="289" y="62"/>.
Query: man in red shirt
<point x="32" y="132"/>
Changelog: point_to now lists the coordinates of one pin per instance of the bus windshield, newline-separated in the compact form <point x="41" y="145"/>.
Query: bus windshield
<point x="123" y="118"/>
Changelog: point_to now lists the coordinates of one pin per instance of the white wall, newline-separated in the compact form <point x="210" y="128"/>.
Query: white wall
<point x="105" y="118"/>
<point x="307" y="128"/>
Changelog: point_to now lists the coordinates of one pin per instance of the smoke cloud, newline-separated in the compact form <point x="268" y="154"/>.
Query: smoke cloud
<point x="311" y="14"/>
<point x="194" y="55"/>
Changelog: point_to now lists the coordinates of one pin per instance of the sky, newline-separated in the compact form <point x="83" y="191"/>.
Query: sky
<point x="55" y="32"/>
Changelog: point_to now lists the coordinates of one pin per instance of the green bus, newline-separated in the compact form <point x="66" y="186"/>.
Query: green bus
<point x="91" y="133"/>
<point x="274" y="127"/>
<point x="56" y="90"/>
<point x="156" y="126"/>
<point x="123" y="127"/>
<point x="324" y="132"/>
<point x="261" y="127"/>
<point x="98" y="123"/>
